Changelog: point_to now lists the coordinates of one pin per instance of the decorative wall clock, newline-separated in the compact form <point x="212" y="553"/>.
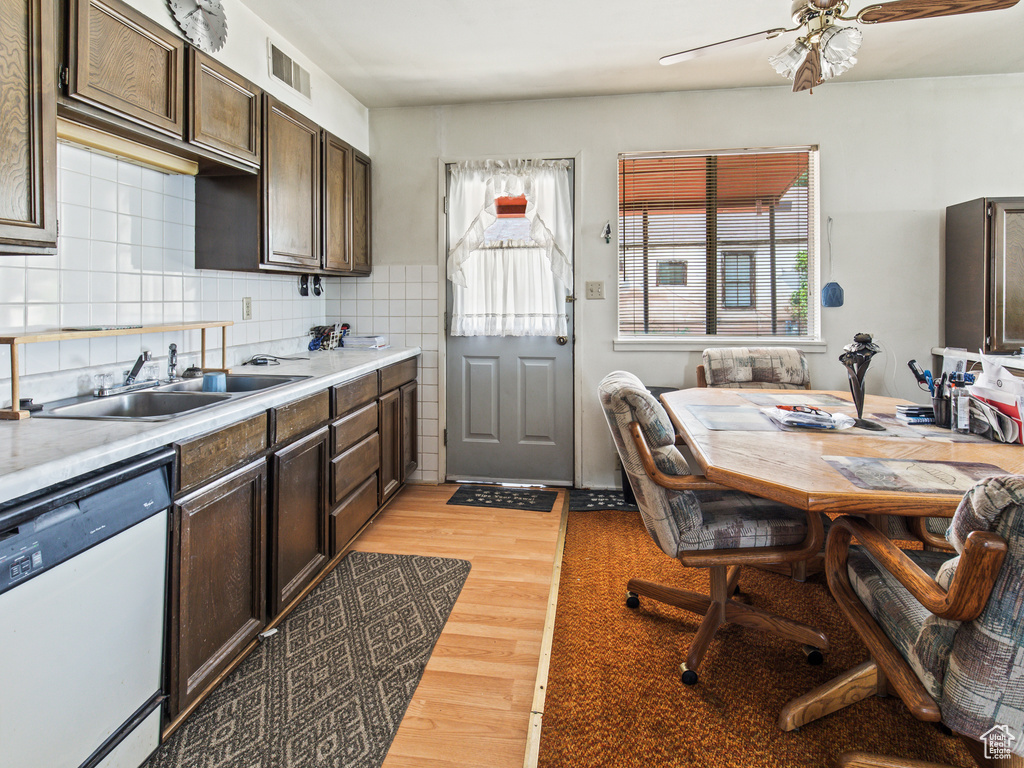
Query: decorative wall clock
<point x="202" y="22"/>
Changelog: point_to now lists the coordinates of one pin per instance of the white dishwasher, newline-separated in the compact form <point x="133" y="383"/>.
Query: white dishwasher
<point x="82" y="605"/>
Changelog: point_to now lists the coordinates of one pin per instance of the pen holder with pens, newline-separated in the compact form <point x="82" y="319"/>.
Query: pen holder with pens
<point x="940" y="406"/>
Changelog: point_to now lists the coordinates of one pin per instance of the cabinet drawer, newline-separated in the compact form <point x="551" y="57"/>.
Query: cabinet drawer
<point x="347" y="431"/>
<point x="353" y="466"/>
<point x="354" y="393"/>
<point x="396" y="375"/>
<point x="213" y="454"/>
<point x="353" y="512"/>
<point x="301" y="416"/>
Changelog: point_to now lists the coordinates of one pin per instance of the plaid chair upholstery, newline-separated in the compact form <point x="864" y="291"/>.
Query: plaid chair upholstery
<point x="974" y="669"/>
<point x="681" y="521"/>
<point x="756" y="367"/>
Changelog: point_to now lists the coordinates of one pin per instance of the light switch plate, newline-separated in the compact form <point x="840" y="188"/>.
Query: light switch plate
<point x="595" y="289"/>
<point x="247" y="308"/>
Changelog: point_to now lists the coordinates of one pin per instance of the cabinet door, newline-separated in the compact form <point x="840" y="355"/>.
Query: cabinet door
<point x="126" y="63"/>
<point x="291" y="189"/>
<point x="1007" y="321"/>
<point x="218" y="589"/>
<point x="298" y="529"/>
<point x="390" y="444"/>
<point x="28" y="125"/>
<point x="410" y="442"/>
<point x="224" y="109"/>
<point x="337" y="160"/>
<point x="362" y="261"/>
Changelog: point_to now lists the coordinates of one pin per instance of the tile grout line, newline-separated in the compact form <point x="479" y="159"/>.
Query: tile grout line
<point x="544" y="664"/>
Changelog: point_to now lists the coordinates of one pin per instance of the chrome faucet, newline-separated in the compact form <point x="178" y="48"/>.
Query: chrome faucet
<point x="172" y="362"/>
<point x="130" y="377"/>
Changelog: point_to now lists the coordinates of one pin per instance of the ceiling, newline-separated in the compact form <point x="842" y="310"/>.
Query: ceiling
<point x="391" y="53"/>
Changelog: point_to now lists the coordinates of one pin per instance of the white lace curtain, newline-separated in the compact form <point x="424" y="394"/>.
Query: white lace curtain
<point x="512" y="287"/>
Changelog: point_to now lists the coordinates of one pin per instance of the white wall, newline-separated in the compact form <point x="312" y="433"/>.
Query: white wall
<point x="893" y="156"/>
<point x="331" y="106"/>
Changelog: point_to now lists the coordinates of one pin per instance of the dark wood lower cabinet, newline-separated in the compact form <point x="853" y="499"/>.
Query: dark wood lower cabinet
<point x="218" y="579"/>
<point x="410" y="434"/>
<point x="390" y="444"/>
<point x="298" y="516"/>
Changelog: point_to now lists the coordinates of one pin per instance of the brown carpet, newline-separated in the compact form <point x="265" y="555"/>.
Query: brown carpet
<point x="614" y="696"/>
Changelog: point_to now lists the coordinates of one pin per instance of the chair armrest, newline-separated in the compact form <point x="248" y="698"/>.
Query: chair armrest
<point x="672" y="482"/>
<point x="809" y="547"/>
<point x="919" y="527"/>
<point x="702" y="379"/>
<point x="971" y="586"/>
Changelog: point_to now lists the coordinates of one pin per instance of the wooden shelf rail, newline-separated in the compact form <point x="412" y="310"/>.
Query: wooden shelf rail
<point x="14" y="412"/>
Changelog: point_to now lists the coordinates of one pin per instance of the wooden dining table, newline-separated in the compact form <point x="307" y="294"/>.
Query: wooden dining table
<point x="731" y="441"/>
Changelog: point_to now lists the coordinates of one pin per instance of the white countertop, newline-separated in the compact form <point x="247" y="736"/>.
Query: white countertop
<point x="38" y="453"/>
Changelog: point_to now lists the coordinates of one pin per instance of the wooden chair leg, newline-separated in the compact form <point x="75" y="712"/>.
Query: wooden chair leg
<point x="733" y="578"/>
<point x="865" y="760"/>
<point x="848" y="688"/>
<point x="747" y="616"/>
<point x="680" y="598"/>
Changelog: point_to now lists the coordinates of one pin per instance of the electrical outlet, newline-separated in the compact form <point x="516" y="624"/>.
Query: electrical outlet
<point x="595" y="289"/>
<point x="247" y="308"/>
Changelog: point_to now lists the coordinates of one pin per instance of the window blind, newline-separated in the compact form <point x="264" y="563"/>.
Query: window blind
<point x="718" y="244"/>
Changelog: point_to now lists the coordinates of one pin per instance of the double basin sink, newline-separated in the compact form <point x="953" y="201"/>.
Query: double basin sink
<point x="165" y="401"/>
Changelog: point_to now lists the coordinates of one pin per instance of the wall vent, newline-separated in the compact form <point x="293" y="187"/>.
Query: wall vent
<point x="287" y="71"/>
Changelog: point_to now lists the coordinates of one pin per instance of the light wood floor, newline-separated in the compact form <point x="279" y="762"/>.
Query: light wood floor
<point x="472" y="707"/>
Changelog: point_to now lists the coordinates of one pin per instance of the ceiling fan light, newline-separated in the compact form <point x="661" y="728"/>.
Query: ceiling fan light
<point x="830" y="70"/>
<point x="840" y="44"/>
<point x="788" y="60"/>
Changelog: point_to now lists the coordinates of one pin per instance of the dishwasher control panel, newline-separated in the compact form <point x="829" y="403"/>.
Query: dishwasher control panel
<point x="22" y="565"/>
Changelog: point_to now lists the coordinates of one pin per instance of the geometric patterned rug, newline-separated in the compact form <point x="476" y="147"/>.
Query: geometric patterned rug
<point x="589" y="501"/>
<point x="331" y="687"/>
<point x="506" y="498"/>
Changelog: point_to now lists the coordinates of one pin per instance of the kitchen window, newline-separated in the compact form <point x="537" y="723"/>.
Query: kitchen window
<point x="718" y="245"/>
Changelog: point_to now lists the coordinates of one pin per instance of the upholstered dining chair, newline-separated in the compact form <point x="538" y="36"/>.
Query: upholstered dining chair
<point x="945" y="631"/>
<point x="754" y="368"/>
<point x="703" y="525"/>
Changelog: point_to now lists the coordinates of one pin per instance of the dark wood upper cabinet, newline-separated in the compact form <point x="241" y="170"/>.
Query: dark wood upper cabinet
<point x="291" y="189"/>
<point x="218" y="580"/>
<point x="337" y="174"/>
<point x="985" y="274"/>
<point x="224" y="109"/>
<point x="362" y="261"/>
<point x="122" y="61"/>
<point x="28" y="125"/>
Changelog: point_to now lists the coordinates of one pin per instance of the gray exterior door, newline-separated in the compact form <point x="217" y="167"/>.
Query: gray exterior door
<point x="510" y="407"/>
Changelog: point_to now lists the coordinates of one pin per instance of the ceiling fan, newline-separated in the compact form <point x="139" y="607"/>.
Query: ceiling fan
<point x="825" y="49"/>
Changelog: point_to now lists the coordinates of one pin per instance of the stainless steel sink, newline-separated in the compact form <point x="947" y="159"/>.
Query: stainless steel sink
<point x="165" y="401"/>
<point x="138" y="406"/>
<point x="235" y="383"/>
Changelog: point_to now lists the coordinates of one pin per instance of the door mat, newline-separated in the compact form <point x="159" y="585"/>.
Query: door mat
<point x="591" y="501"/>
<point x="331" y="687"/>
<point x="506" y="498"/>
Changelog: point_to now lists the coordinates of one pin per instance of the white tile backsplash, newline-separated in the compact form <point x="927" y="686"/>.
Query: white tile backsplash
<point x="126" y="255"/>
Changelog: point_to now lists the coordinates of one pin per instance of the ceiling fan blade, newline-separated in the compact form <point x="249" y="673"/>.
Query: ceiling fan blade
<point x="693" y="53"/>
<point x="904" y="10"/>
<point x="808" y="74"/>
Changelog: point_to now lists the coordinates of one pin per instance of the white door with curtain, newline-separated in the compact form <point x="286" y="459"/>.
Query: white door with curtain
<point x="509" y="324"/>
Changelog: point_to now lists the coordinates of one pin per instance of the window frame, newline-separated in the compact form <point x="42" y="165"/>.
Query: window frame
<point x="684" y="263"/>
<point x="750" y="282"/>
<point x="811" y="338"/>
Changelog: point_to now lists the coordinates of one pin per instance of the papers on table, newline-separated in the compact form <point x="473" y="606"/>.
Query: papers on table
<point x="911" y="476"/>
<point x="811" y="418"/>
<point x="997" y="391"/>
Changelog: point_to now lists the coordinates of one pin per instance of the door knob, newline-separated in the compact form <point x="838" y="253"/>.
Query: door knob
<point x="563" y="340"/>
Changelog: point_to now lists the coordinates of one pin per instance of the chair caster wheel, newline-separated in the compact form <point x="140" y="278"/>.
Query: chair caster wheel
<point x="689" y="677"/>
<point x="632" y="600"/>
<point x="814" y="656"/>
